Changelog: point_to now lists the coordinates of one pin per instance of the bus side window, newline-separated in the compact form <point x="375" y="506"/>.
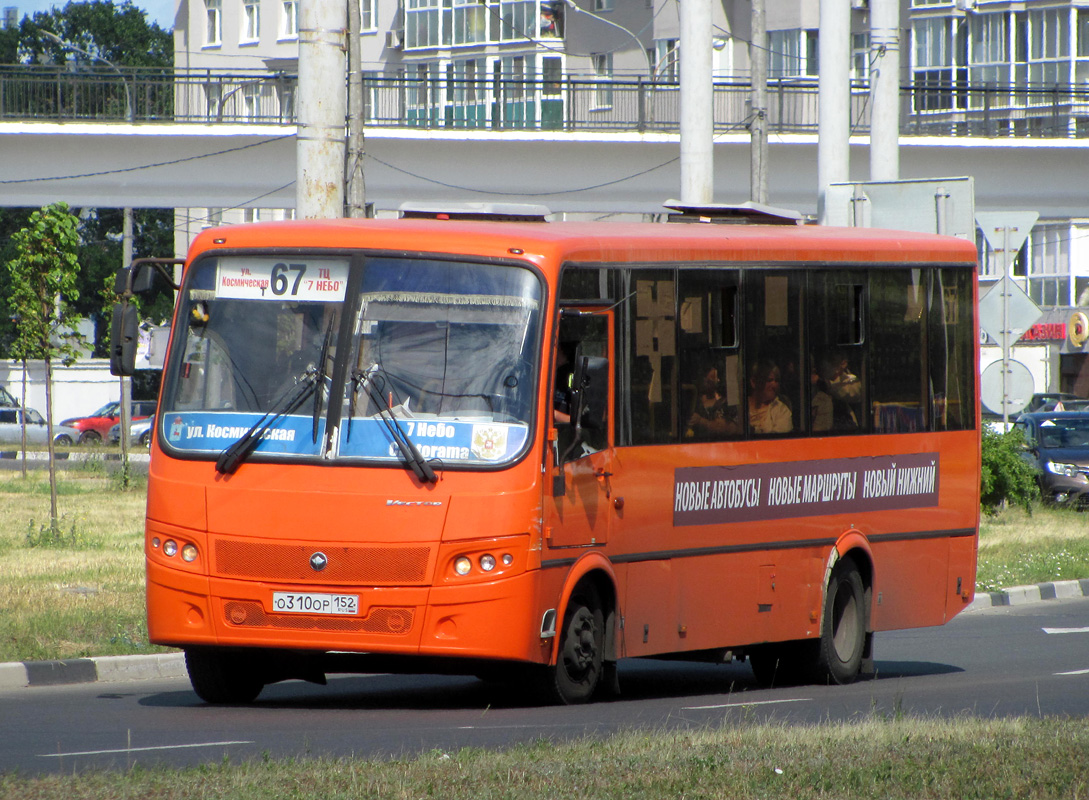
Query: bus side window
<point x="579" y="336"/>
<point x="898" y="314"/>
<point x="652" y="370"/>
<point x="773" y="335"/>
<point x="710" y="388"/>
<point x="836" y="345"/>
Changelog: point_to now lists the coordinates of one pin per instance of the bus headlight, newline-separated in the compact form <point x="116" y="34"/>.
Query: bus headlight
<point x="170" y="547"/>
<point x="487" y="562"/>
<point x="189" y="552"/>
<point x="462" y="565"/>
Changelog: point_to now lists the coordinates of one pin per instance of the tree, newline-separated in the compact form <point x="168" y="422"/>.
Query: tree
<point x="43" y="286"/>
<point x="122" y="35"/>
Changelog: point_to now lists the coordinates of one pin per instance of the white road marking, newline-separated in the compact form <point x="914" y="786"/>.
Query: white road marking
<point x="137" y="749"/>
<point x="1075" y="672"/>
<point x="743" y="705"/>
<point x="1066" y="630"/>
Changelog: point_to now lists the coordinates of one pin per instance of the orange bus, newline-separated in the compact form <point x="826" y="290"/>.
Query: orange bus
<point x="536" y="448"/>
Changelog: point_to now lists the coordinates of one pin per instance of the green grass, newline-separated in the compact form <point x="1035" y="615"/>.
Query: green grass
<point x="1017" y="548"/>
<point x="900" y="758"/>
<point x="78" y="591"/>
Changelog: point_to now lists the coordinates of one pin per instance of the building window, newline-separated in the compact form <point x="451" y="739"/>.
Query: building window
<point x="603" y="73"/>
<point x="422" y="23"/>
<point x="603" y="5"/>
<point x="990" y="58"/>
<point x="1049" y="265"/>
<point x="368" y="19"/>
<point x="1049" y="46"/>
<point x="940" y="63"/>
<point x="519" y="19"/>
<point x="470" y="22"/>
<point x="213" y="28"/>
<point x="860" y="56"/>
<point x="792" y="54"/>
<point x="251" y="20"/>
<point x="666" y="60"/>
<point x="289" y="19"/>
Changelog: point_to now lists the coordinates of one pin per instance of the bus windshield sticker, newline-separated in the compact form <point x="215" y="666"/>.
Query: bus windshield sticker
<point x="451" y="441"/>
<point x="750" y="492"/>
<point x="293" y="279"/>
<point x="211" y="432"/>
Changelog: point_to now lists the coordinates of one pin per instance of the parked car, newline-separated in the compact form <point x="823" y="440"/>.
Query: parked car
<point x="11" y="428"/>
<point x="1058" y="444"/>
<point x="94" y="427"/>
<point x="139" y="431"/>
<point x="6" y="399"/>
<point x="1047" y="401"/>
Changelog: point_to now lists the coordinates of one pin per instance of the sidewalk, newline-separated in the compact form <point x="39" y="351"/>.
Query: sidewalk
<point x="106" y="669"/>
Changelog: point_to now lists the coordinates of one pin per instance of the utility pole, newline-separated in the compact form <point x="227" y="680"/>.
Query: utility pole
<point x="758" y="127"/>
<point x="697" y="104"/>
<point x="885" y="90"/>
<point x="834" y="92"/>
<point x="319" y="173"/>
<point x="356" y="189"/>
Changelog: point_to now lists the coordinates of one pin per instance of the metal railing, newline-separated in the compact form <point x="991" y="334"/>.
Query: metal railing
<point x="571" y="103"/>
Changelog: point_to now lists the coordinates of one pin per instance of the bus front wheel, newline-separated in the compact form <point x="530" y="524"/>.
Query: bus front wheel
<point x="580" y="661"/>
<point x="843" y="632"/>
<point x="223" y="677"/>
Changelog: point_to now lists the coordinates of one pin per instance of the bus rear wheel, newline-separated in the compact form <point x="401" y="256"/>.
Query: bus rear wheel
<point x="223" y="677"/>
<point x="843" y="632"/>
<point x="580" y="662"/>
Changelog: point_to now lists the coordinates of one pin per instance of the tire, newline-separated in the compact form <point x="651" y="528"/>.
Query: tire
<point x="223" y="677"/>
<point x="843" y="632"/>
<point x="580" y="663"/>
<point x="90" y="438"/>
<point x="64" y="440"/>
<point x="145" y="438"/>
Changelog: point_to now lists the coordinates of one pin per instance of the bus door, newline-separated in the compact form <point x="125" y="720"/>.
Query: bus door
<point x="581" y="510"/>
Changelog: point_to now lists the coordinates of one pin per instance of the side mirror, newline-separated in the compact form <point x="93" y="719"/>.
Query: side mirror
<point x="124" y="338"/>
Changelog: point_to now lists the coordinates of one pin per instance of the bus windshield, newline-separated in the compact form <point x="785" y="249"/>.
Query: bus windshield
<point x="344" y="359"/>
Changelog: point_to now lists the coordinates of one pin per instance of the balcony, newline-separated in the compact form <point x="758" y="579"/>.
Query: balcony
<point x="568" y="103"/>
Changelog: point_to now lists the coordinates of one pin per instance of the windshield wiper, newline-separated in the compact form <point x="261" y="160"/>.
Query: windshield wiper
<point x="231" y="458"/>
<point x="412" y="456"/>
<point x="319" y="381"/>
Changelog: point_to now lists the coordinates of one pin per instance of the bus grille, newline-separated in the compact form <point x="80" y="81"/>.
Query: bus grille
<point x="351" y="565"/>
<point x="380" y="620"/>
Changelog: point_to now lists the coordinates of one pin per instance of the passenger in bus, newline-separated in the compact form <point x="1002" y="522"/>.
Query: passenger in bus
<point x="845" y="389"/>
<point x="711" y="417"/>
<point x="767" y="411"/>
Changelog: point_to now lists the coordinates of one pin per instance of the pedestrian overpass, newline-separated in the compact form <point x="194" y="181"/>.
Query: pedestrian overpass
<point x="165" y="165"/>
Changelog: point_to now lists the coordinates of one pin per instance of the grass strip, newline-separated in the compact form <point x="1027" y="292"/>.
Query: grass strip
<point x="889" y="758"/>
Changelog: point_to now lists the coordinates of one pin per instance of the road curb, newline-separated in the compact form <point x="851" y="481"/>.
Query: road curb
<point x="105" y="669"/>
<point x="109" y="669"/>
<point x="1021" y="595"/>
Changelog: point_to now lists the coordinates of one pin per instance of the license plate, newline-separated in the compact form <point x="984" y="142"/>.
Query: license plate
<point x="314" y="603"/>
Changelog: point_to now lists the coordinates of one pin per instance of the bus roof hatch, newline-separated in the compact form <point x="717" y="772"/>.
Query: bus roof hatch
<point x="500" y="212"/>
<point x="745" y="213"/>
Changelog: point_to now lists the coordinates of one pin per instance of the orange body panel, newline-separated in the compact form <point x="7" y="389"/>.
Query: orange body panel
<point x="678" y="587"/>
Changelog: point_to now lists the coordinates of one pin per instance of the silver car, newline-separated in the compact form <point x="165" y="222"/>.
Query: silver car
<point x="11" y="428"/>
<point x="139" y="431"/>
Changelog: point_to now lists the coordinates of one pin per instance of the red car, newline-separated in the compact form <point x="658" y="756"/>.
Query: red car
<point x="94" y="427"/>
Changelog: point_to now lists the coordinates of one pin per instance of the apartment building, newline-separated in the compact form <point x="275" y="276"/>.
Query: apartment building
<point x="991" y="68"/>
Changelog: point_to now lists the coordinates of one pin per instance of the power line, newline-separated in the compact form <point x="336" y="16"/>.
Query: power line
<point x="121" y="170"/>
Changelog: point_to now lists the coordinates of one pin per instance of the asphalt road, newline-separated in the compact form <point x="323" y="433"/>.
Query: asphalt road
<point x="995" y="662"/>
